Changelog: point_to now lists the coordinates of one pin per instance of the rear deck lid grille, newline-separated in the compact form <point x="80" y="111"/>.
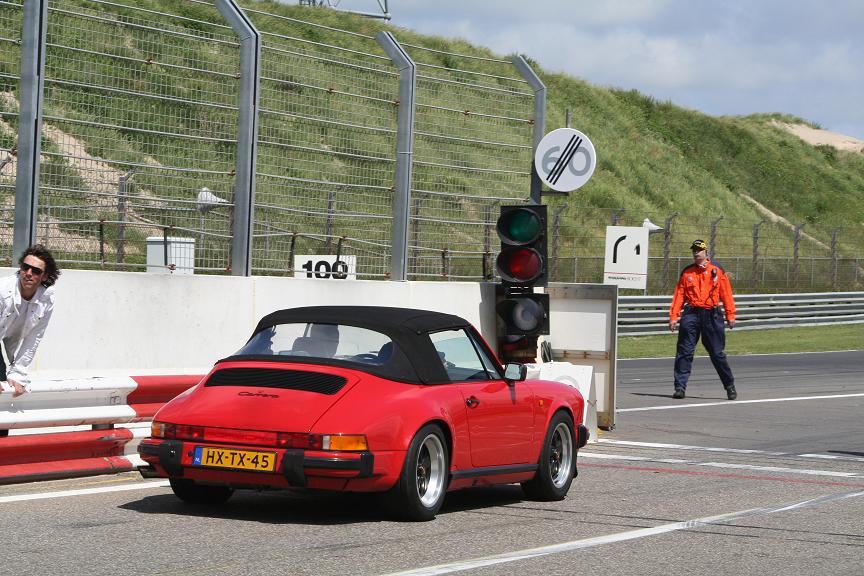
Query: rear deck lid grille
<point x="285" y="379"/>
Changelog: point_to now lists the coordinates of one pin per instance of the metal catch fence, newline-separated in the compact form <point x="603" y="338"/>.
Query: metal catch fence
<point x="326" y="147"/>
<point x="144" y="113"/>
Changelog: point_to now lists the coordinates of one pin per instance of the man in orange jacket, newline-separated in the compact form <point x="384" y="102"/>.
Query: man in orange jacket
<point x="695" y="312"/>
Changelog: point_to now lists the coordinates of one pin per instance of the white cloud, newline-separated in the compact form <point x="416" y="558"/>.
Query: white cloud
<point x="722" y="57"/>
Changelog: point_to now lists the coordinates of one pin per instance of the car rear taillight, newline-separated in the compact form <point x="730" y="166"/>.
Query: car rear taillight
<point x="335" y="442"/>
<point x="178" y="431"/>
<point x="185" y="432"/>
<point x="345" y="442"/>
<point x="163" y="430"/>
<point x="340" y="442"/>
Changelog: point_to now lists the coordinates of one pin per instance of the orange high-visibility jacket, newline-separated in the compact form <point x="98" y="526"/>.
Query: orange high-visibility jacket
<point x="703" y="288"/>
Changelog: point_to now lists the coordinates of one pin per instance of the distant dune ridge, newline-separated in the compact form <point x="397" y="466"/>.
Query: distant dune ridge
<point x="818" y="137"/>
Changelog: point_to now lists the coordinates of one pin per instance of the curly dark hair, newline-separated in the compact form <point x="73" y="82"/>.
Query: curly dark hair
<point x="52" y="272"/>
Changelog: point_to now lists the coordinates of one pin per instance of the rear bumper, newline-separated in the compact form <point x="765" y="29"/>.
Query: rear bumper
<point x="173" y="458"/>
<point x="581" y="436"/>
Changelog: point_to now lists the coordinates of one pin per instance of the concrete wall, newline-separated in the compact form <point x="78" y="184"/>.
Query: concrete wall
<point x="108" y="323"/>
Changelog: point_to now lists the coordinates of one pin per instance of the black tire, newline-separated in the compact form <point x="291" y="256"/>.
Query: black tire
<point x="189" y="491"/>
<point x="557" y="462"/>
<point x="419" y="492"/>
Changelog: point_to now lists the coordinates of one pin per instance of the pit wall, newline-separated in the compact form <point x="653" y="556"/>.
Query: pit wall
<point x="134" y="323"/>
<point x="110" y="323"/>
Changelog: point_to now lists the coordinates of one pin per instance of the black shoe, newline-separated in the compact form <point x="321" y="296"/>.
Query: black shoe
<point x="731" y="394"/>
<point x="679" y="393"/>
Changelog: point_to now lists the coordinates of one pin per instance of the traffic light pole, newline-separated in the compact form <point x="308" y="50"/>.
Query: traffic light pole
<point x="539" y="119"/>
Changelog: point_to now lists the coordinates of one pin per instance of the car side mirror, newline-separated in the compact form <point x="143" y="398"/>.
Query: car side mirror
<point x="514" y="372"/>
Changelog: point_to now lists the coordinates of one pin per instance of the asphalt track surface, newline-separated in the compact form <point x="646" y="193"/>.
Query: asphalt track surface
<point x="771" y="484"/>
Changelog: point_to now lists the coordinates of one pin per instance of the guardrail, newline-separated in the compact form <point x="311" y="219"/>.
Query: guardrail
<point x="102" y="403"/>
<point x="644" y="315"/>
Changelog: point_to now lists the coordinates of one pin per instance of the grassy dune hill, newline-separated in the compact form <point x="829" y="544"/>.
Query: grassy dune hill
<point x="655" y="158"/>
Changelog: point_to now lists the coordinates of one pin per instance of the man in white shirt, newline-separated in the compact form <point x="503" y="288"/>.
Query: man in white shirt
<point x="26" y="304"/>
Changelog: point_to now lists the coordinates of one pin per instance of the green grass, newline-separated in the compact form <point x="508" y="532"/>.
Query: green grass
<point x="765" y="341"/>
<point x="654" y="158"/>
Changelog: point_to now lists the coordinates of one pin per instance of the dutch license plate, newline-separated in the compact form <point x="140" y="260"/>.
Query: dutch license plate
<point x="234" y="459"/>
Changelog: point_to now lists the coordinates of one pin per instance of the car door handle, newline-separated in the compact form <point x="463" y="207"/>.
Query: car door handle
<point x="472" y="402"/>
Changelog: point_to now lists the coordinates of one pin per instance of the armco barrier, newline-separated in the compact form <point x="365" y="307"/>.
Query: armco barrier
<point x="99" y="402"/>
<point x="643" y="315"/>
<point x="105" y="402"/>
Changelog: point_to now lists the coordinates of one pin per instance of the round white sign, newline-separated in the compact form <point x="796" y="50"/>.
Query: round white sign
<point x="565" y="159"/>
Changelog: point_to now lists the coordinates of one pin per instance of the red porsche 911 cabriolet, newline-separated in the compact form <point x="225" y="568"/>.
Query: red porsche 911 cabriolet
<point x="367" y="399"/>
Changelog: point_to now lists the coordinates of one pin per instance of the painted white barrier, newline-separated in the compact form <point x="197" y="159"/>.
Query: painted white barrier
<point x="91" y="401"/>
<point x="37" y="454"/>
<point x="581" y="378"/>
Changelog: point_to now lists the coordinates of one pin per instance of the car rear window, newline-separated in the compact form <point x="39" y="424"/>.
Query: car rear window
<point x="325" y="341"/>
<point x="285" y="379"/>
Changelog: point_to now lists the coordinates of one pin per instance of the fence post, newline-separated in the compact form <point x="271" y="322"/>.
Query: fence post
<point x="33" y="33"/>
<point x="122" y="196"/>
<point x="247" y="136"/>
<point x="796" y="242"/>
<point x="404" y="152"/>
<point x="755" y="265"/>
<point x="556" y="220"/>
<point x="488" y="268"/>
<point x="834" y="266"/>
<point x="616" y="215"/>
<point x="102" y="242"/>
<point x="667" y="245"/>
<point x="417" y="202"/>
<point x="328" y="224"/>
<point x="539" y="120"/>
<point x="713" y="240"/>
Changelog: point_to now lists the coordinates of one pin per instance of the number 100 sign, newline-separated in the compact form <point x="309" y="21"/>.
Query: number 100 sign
<point x="325" y="266"/>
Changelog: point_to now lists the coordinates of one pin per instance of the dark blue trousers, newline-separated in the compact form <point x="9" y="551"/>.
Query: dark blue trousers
<point x="707" y="324"/>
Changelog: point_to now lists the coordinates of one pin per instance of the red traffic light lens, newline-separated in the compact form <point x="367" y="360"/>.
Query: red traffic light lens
<point x="519" y="264"/>
<point x="519" y="227"/>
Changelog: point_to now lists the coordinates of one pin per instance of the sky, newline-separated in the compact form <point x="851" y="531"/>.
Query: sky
<point x="720" y="57"/>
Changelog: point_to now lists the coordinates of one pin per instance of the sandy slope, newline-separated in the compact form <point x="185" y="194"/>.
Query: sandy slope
<point x="818" y="137"/>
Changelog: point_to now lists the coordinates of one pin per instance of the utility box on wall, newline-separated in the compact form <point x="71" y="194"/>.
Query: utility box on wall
<point x="170" y="255"/>
<point x="584" y="331"/>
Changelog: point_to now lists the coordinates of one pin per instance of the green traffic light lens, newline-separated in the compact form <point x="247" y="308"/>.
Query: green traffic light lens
<point x="519" y="227"/>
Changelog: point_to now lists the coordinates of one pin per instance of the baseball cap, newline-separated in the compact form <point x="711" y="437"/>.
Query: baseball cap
<point x="698" y="245"/>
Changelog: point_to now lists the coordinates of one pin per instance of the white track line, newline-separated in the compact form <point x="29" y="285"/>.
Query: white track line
<point x="636" y="444"/>
<point x="739" y="402"/>
<point x="726" y="465"/>
<point x="686" y="447"/>
<point x="741" y="355"/>
<point x="82" y="492"/>
<point x="620" y="537"/>
<point x="833" y="457"/>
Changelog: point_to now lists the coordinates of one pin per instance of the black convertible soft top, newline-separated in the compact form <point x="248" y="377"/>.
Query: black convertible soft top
<point x="379" y="318"/>
<point x="414" y="358"/>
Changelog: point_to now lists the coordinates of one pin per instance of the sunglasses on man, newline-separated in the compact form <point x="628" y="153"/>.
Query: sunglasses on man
<point x="34" y="269"/>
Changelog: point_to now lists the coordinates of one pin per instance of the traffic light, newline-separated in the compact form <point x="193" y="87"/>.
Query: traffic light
<point x="521" y="264"/>
<point x="522" y="260"/>
<point x="524" y="314"/>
